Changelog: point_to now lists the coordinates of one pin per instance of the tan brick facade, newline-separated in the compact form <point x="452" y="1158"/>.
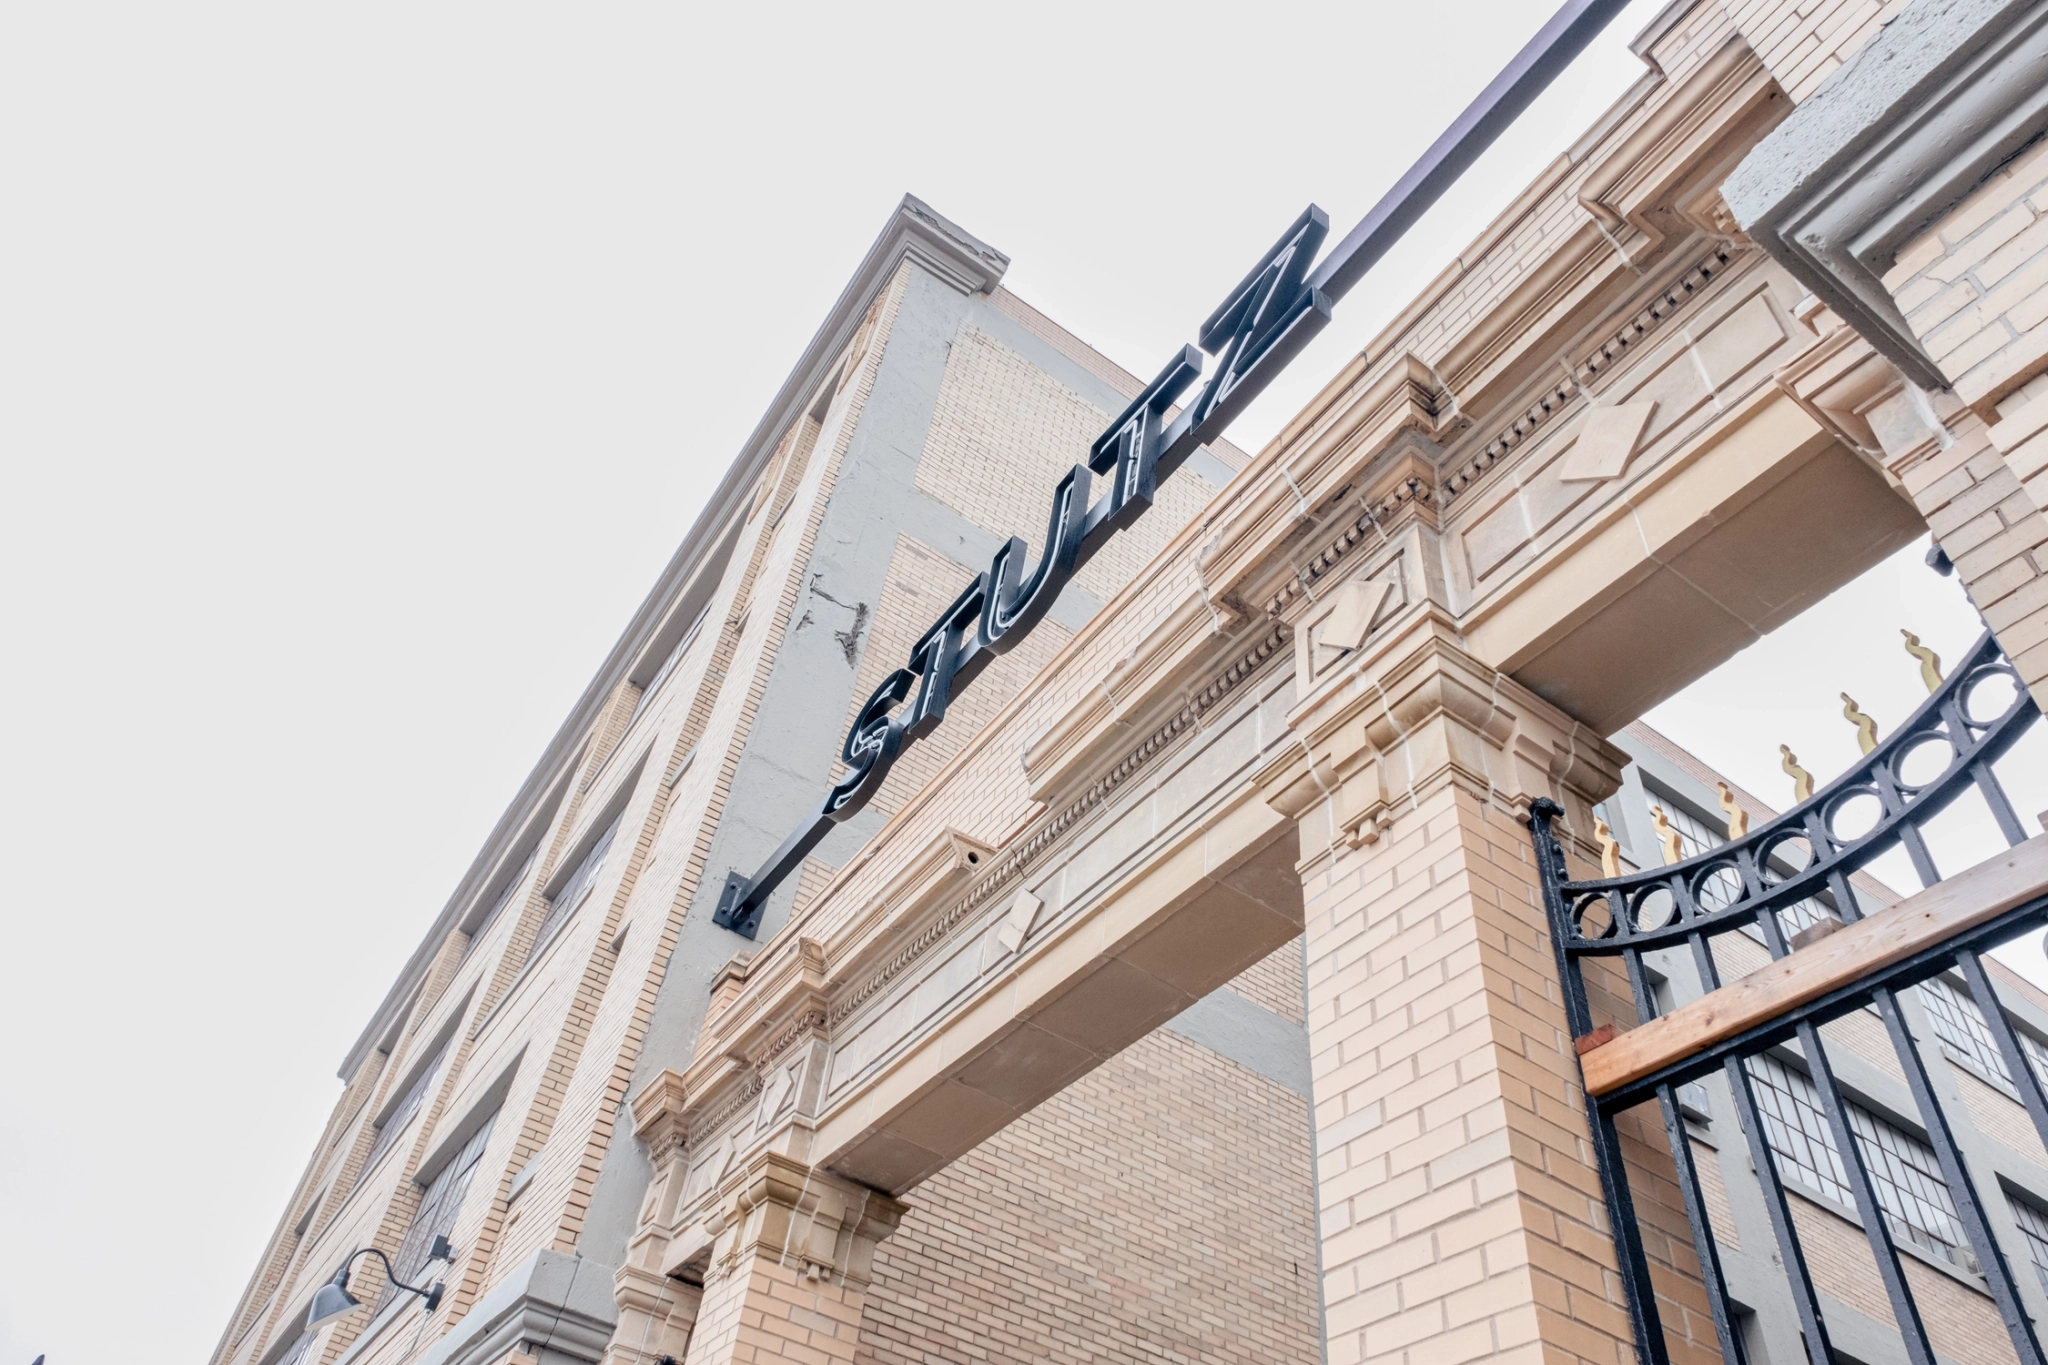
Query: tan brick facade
<point x="1020" y="1066"/>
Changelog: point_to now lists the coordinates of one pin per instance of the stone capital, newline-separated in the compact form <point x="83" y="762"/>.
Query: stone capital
<point x="1396" y="722"/>
<point x="800" y="1217"/>
<point x="656" y="1315"/>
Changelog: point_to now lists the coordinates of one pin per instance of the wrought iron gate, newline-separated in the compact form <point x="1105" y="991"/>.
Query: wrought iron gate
<point x="1792" y="878"/>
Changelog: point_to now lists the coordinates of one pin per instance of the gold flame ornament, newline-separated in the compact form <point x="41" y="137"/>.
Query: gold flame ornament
<point x="1930" y="662"/>
<point x="1674" y="850"/>
<point x="1610" y="851"/>
<point x="1866" y="728"/>
<point x="1738" y="818"/>
<point x="1802" y="780"/>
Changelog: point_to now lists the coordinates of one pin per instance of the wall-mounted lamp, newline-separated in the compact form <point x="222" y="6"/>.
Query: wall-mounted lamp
<point x="332" y="1300"/>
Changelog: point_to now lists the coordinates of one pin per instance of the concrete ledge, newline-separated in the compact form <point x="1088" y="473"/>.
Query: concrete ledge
<point x="561" y="1304"/>
<point x="1913" y="122"/>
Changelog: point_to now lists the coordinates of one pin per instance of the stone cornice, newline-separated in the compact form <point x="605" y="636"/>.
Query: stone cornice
<point x="1662" y="182"/>
<point x="1313" y="479"/>
<point x="1413" y="712"/>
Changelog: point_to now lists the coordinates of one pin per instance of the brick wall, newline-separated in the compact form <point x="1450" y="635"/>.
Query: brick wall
<point x="1974" y="289"/>
<point x="1160" y="1208"/>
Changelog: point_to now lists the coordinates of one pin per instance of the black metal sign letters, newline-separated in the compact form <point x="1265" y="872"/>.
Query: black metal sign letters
<point x="1262" y="325"/>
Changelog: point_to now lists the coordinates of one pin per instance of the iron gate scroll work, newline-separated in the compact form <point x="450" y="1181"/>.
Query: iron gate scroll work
<point x="1796" y="866"/>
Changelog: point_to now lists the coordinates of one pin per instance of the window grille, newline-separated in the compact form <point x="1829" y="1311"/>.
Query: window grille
<point x="439" y="1205"/>
<point x="408" y="1105"/>
<point x="512" y="888"/>
<point x="2034" y="1227"/>
<point x="1960" y="1025"/>
<point x="573" y="891"/>
<point x="1903" y="1169"/>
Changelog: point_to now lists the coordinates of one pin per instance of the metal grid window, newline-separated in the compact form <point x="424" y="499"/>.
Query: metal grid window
<point x="1903" y="1169"/>
<point x="2034" y="1227"/>
<point x="439" y="1206"/>
<point x="573" y="891"/>
<point x="1961" y="1026"/>
<point x="408" y="1105"/>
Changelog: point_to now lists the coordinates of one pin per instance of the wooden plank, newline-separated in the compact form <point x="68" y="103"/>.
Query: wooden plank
<point x="1919" y="922"/>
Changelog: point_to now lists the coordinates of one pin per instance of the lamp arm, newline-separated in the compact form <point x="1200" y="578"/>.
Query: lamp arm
<point x="432" y="1295"/>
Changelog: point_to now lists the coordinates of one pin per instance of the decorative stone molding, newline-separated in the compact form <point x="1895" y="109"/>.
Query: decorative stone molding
<point x="1320" y="473"/>
<point x="805" y="1219"/>
<point x="656" y="1315"/>
<point x="1662" y="183"/>
<point x="1917" y="118"/>
<point x="1402" y="719"/>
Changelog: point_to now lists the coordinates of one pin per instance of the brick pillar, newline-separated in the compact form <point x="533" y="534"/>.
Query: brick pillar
<point x="790" y="1266"/>
<point x="1461" y="1211"/>
<point x="656" y="1311"/>
<point x="1964" y="475"/>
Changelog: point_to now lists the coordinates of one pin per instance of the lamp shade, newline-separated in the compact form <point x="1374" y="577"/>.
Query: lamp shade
<point x="332" y="1300"/>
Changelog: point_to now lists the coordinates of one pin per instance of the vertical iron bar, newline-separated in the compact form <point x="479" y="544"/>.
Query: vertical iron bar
<point x="1997" y="1274"/>
<point x="1847" y="909"/>
<point x="1703" y="1243"/>
<point x="2024" y="1078"/>
<point x="1905" y="1311"/>
<point x="1818" y="1349"/>
<point x="1621" y="1217"/>
<point x="2001" y="807"/>
<point x="1628" y="1239"/>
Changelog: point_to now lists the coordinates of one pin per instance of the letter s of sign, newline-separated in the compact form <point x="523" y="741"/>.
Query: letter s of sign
<point x="871" y="747"/>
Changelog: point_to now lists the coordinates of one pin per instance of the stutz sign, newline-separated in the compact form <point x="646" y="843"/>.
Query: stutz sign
<point x="1257" y="330"/>
<point x="1261" y="326"/>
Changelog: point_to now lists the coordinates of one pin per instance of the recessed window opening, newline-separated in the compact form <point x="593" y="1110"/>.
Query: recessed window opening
<point x="1903" y="1170"/>
<point x="401" y="1113"/>
<point x="2034" y="1228"/>
<point x="573" y="891"/>
<point x="439" y="1206"/>
<point x="1962" y="1029"/>
<point x="504" y="898"/>
<point x="668" y="665"/>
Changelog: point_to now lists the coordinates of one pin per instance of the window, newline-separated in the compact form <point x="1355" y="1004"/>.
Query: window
<point x="1961" y="1027"/>
<point x="2033" y="1227"/>
<point x="1903" y="1170"/>
<point x="297" y="1351"/>
<point x="668" y="666"/>
<point x="573" y="890"/>
<point x="512" y="888"/>
<point x="439" y="1206"/>
<point x="408" y="1105"/>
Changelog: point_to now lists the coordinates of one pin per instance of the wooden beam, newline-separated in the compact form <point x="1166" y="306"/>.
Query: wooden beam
<point x="1917" y="923"/>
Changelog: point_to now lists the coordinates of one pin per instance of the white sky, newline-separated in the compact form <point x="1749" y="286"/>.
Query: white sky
<point x="359" y="368"/>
